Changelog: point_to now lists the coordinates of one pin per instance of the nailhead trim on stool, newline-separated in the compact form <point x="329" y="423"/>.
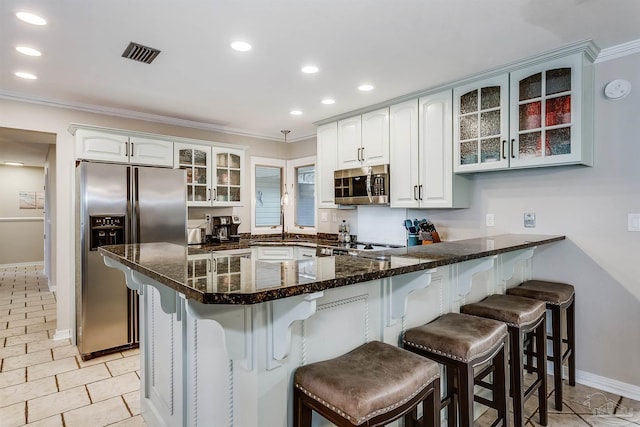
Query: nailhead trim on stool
<point x="461" y="342"/>
<point x="373" y="385"/>
<point x="522" y="316"/>
<point x="558" y="297"/>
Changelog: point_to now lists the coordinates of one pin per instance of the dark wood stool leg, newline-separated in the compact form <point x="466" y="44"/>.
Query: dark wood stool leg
<point x="541" y="359"/>
<point x="501" y="385"/>
<point x="431" y="407"/>
<point x="452" y="410"/>
<point x="571" y="341"/>
<point x="516" y="357"/>
<point x="556" y="342"/>
<point x="465" y="395"/>
<point x="302" y="416"/>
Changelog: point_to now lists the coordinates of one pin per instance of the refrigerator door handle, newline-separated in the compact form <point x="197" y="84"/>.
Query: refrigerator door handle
<point x="128" y="235"/>
<point x="136" y="207"/>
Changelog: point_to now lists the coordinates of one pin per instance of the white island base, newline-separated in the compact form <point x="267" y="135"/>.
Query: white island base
<point x="232" y="365"/>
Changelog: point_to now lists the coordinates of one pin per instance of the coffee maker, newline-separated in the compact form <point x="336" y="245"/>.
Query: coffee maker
<point x="225" y="228"/>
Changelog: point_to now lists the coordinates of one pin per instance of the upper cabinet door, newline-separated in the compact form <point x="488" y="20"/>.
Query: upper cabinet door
<point x="327" y="149"/>
<point x="144" y="151"/>
<point x="481" y="125"/>
<point x="227" y="176"/>
<point x="375" y="138"/>
<point x="546" y="113"/>
<point x="349" y="143"/>
<point x="93" y="145"/>
<point x="404" y="155"/>
<point x="196" y="159"/>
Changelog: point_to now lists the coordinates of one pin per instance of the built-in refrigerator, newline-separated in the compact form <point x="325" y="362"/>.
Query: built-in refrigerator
<point x="120" y="204"/>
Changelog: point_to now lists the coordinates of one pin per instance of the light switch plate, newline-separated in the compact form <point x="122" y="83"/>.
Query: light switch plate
<point x="633" y="222"/>
<point x="530" y="220"/>
<point x="490" y="220"/>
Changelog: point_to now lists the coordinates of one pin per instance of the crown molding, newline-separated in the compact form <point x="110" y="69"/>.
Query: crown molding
<point x="618" y="51"/>
<point x="136" y="115"/>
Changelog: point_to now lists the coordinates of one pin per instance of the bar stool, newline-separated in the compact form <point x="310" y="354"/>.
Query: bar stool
<point x="373" y="385"/>
<point x="461" y="342"/>
<point x="522" y="316"/>
<point x="558" y="297"/>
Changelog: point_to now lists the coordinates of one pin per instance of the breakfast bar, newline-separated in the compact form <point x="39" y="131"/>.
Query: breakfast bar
<point x="222" y="331"/>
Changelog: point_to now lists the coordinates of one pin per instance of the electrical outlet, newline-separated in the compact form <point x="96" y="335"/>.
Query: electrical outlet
<point x="207" y="217"/>
<point x="324" y="217"/>
<point x="633" y="222"/>
<point x="530" y="220"/>
<point x="490" y="220"/>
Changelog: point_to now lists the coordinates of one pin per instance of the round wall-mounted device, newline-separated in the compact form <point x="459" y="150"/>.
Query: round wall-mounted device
<point x="617" y="89"/>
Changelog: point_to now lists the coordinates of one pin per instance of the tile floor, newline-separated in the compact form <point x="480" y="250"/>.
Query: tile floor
<point x="45" y="383"/>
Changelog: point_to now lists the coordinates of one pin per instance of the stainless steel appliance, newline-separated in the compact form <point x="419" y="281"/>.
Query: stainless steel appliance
<point x="120" y="204"/>
<point x="362" y="186"/>
<point x="225" y="228"/>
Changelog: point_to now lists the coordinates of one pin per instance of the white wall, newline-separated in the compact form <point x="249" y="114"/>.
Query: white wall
<point x="22" y="230"/>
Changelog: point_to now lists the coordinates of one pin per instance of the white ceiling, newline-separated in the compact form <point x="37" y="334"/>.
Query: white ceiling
<point x="399" y="46"/>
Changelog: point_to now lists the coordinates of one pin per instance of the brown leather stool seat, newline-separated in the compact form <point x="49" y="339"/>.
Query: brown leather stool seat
<point x="558" y="297"/>
<point x="373" y="385"/>
<point x="522" y="316"/>
<point x="461" y="342"/>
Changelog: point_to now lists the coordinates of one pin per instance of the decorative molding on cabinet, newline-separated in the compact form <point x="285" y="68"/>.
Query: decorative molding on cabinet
<point x="614" y="52"/>
<point x="400" y="293"/>
<point x="507" y="265"/>
<point x="464" y="272"/>
<point x="588" y="47"/>
<point x="282" y="313"/>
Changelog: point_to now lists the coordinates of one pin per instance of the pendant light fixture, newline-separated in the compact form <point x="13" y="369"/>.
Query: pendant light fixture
<point x="284" y="201"/>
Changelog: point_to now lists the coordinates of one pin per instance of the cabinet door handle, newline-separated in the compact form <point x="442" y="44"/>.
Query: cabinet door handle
<point x="132" y="149"/>
<point x="420" y="192"/>
<point x="215" y="194"/>
<point x="307" y="255"/>
<point x="359" y="158"/>
<point x="362" y="153"/>
<point x="415" y="192"/>
<point x="209" y="194"/>
<point x="513" y="156"/>
<point x="504" y="143"/>
<point x="126" y="149"/>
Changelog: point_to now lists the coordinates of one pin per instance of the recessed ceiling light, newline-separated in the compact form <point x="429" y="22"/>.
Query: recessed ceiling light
<point x="14" y="163"/>
<point x="296" y="112"/>
<point x="241" y="46"/>
<point x="365" y="87"/>
<point x="28" y="51"/>
<point x="309" y="69"/>
<point x="27" y="76"/>
<point x="328" y="101"/>
<point x="30" y="18"/>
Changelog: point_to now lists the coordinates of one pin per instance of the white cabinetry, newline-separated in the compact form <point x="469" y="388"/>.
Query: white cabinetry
<point x="214" y="174"/>
<point x="540" y="115"/>
<point x="364" y="140"/>
<point x="120" y="148"/>
<point x="327" y="152"/>
<point x="421" y="160"/>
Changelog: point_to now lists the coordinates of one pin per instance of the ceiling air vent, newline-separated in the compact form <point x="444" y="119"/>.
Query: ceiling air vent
<point x="140" y="53"/>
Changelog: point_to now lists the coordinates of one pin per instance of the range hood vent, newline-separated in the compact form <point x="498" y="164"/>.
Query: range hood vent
<point x="140" y="53"/>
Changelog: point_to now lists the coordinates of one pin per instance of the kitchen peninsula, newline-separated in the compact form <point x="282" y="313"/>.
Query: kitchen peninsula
<point x="221" y="350"/>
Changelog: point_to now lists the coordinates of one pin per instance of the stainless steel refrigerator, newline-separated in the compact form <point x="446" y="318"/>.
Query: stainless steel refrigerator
<point x="120" y="204"/>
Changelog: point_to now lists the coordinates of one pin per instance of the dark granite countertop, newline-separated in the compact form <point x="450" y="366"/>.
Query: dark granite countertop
<point x="226" y="274"/>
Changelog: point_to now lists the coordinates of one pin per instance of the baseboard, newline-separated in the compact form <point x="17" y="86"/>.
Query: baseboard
<point x="62" y="334"/>
<point x="22" y="264"/>
<point x="607" y="384"/>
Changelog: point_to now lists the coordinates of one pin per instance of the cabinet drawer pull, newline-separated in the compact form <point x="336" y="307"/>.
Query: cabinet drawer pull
<point x="513" y="156"/>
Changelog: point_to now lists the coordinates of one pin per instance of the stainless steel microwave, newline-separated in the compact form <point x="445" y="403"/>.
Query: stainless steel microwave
<point x="368" y="185"/>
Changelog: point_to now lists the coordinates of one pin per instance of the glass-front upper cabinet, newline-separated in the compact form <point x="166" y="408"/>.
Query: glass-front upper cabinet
<point x="196" y="159"/>
<point x="534" y="116"/>
<point x="214" y="174"/>
<point x="546" y="113"/>
<point x="227" y="176"/>
<point x="481" y="125"/>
